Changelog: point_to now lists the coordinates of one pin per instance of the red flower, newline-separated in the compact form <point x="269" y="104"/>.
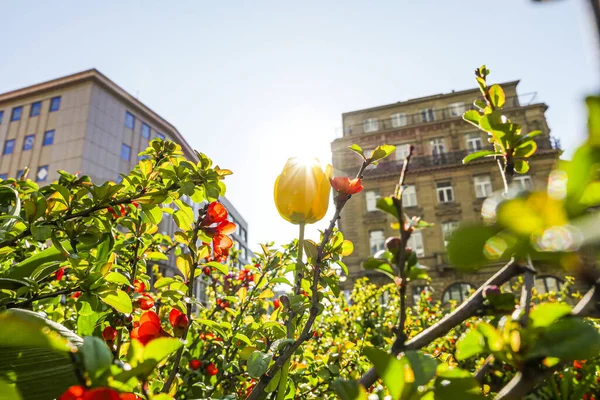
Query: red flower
<point x="276" y="303"/>
<point x="211" y="369"/>
<point x="195" y="364"/>
<point x="139" y="286"/>
<point x="345" y="185"/>
<point x="76" y="295"/>
<point x="149" y="328"/>
<point x="215" y="213"/>
<point x="58" y="275"/>
<point x="206" y="270"/>
<point x="220" y="232"/>
<point x="109" y="333"/>
<point x="102" y="393"/>
<point x="145" y="302"/>
<point x="246" y="275"/>
<point x="577" y="364"/>
<point x="179" y="321"/>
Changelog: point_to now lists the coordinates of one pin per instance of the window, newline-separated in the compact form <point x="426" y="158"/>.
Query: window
<point x="523" y="181"/>
<point x="1" y="116"/>
<point x="445" y="192"/>
<point x="456" y="109"/>
<point x="125" y="152"/>
<point x="16" y="113"/>
<point x="546" y="284"/>
<point x="9" y="146"/>
<point x="35" y="109"/>
<point x="243" y="252"/>
<point x="483" y="186"/>
<point x="416" y="243"/>
<point x="3" y="177"/>
<point x="129" y="120"/>
<point x="55" y="104"/>
<point x="145" y="131"/>
<point x="370" y="125"/>
<point x="417" y="290"/>
<point x="427" y="114"/>
<point x="28" y="142"/>
<point x="42" y="174"/>
<point x="376" y="241"/>
<point x="437" y="146"/>
<point x="398" y="119"/>
<point x="243" y="235"/>
<point x="447" y="229"/>
<point x="160" y="136"/>
<point x="20" y="173"/>
<point x="372" y="196"/>
<point x="474" y="142"/>
<point x="402" y="151"/>
<point x="48" y="138"/>
<point x="457" y="291"/>
<point x="409" y="196"/>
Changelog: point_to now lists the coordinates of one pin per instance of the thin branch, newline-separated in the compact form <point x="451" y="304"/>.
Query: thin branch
<point x="525" y="302"/>
<point x="484" y="369"/>
<point x="41" y="297"/>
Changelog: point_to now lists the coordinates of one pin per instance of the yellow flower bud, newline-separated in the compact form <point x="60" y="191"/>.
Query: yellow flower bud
<point x="302" y="191"/>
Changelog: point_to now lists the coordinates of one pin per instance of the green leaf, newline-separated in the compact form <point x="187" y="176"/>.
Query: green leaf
<point x="546" y="314"/>
<point x="526" y="149"/>
<point x="455" y="383"/>
<point x="26" y="329"/>
<point x="116" y="277"/>
<point x="480" y="154"/>
<point x="470" y="344"/>
<point x="160" y="348"/>
<point x="258" y="363"/>
<point x="117" y="299"/>
<point x="389" y="369"/>
<point x="153" y="213"/>
<point x="273" y="383"/>
<point x="157" y="255"/>
<point x="593" y="104"/>
<point x="423" y="366"/>
<point x="568" y="339"/>
<point x="521" y="166"/>
<point x="349" y="390"/>
<point x="380" y="265"/>
<point x="465" y="248"/>
<point x="382" y="152"/>
<point x="41" y="233"/>
<point x="497" y="96"/>
<point x="219" y="267"/>
<point x="184" y="219"/>
<point x="357" y="149"/>
<point x="386" y="204"/>
<point x="9" y="391"/>
<point x="184" y="265"/>
<point x="162" y="282"/>
<point x="96" y="355"/>
<point x="472" y="117"/>
<point x="528" y="137"/>
<point x="243" y="338"/>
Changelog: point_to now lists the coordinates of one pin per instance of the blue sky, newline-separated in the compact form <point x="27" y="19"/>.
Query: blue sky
<point x="252" y="83"/>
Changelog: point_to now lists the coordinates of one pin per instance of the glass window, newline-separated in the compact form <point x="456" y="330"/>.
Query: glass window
<point x="456" y="109"/>
<point x="524" y="182"/>
<point x="372" y="196"/>
<point x="55" y="104"/>
<point x="35" y="109"/>
<point x="415" y="242"/>
<point x="457" y="291"/>
<point x="376" y="241"/>
<point x="546" y="284"/>
<point x="474" y="142"/>
<point x="160" y="136"/>
<point x="9" y="146"/>
<point x="145" y="131"/>
<point x="447" y="229"/>
<point x="48" y="138"/>
<point x="129" y="120"/>
<point x="483" y="186"/>
<point x="1" y="116"/>
<point x="125" y="152"/>
<point x="16" y="113"/>
<point x="445" y="192"/>
<point x="42" y="174"/>
<point x="20" y="173"/>
<point x="437" y="146"/>
<point x="3" y="177"/>
<point x="398" y="119"/>
<point x="370" y="125"/>
<point x="427" y="115"/>
<point x="402" y="151"/>
<point x="409" y="196"/>
<point x="28" y="142"/>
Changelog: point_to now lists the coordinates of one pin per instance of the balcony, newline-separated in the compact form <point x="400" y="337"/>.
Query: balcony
<point x="435" y="115"/>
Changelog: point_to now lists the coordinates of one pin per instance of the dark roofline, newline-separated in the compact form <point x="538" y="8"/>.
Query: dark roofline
<point x="424" y="98"/>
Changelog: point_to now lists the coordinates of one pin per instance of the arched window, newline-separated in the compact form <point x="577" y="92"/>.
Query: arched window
<point x="548" y="283"/>
<point x="458" y="291"/>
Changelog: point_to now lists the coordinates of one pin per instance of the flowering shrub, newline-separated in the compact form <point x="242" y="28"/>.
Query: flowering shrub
<point x="87" y="314"/>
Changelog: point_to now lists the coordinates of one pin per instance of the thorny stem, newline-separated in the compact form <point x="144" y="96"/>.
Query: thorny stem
<point x="259" y="389"/>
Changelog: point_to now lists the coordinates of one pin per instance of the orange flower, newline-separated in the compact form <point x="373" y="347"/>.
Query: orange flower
<point x="345" y="185"/>
<point x="140" y="287"/>
<point x="179" y="321"/>
<point x="149" y="328"/>
<point x="145" y="302"/>
<point x="215" y="213"/>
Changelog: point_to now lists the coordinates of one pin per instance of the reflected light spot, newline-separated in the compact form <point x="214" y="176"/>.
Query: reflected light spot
<point x="559" y="238"/>
<point x="557" y="184"/>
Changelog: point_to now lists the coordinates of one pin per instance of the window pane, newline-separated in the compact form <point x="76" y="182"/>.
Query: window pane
<point x="457" y="109"/>
<point x="483" y="186"/>
<point x="1" y="116"/>
<point x="9" y="146"/>
<point x="415" y="242"/>
<point x="437" y="147"/>
<point x="3" y="177"/>
<point x="125" y="152"/>
<point x="42" y="174"/>
<point x="129" y="120"/>
<point x="370" y="125"/>
<point x="55" y="104"/>
<point x="35" y="109"/>
<point x="28" y="142"/>
<point x="48" y="138"/>
<point x="16" y="113"/>
<point x="409" y="196"/>
<point x="145" y="131"/>
<point x="376" y="241"/>
<point x="371" y="199"/>
<point x="160" y="135"/>
<point x="398" y="119"/>
<point x="402" y="151"/>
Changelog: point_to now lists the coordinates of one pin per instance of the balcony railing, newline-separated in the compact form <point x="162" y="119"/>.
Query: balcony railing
<point x="422" y="117"/>
<point x="446" y="159"/>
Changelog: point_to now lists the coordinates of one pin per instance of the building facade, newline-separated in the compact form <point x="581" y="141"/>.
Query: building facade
<point x="440" y="189"/>
<point x="85" y="122"/>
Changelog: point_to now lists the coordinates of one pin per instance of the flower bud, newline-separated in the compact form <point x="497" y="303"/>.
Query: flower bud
<point x="393" y="244"/>
<point x="195" y="364"/>
<point x="491" y="291"/>
<point x="109" y="334"/>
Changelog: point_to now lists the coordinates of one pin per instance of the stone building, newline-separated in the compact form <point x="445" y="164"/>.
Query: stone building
<point x="440" y="189"/>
